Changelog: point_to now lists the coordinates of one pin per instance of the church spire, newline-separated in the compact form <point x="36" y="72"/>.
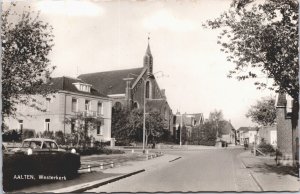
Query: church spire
<point x="148" y="59"/>
<point x="148" y="51"/>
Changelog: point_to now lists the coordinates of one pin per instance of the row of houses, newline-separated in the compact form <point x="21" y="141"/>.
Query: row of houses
<point x="93" y="95"/>
<point x="283" y="135"/>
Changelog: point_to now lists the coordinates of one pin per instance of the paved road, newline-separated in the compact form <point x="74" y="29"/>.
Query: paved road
<point x="201" y="170"/>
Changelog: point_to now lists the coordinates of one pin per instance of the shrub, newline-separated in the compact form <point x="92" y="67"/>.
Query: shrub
<point x="207" y="142"/>
<point x="266" y="148"/>
<point x="59" y="137"/>
<point x="28" y="133"/>
<point x="48" y="134"/>
<point x="12" y="135"/>
<point x="84" y="151"/>
<point x="60" y="164"/>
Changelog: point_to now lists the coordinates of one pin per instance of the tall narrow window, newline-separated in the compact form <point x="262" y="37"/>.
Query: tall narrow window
<point x="147" y="95"/>
<point x="47" y="124"/>
<point x="100" y="108"/>
<point x="100" y="129"/>
<point x="74" y="105"/>
<point x="48" y="100"/>
<point x="87" y="105"/>
<point x="21" y="125"/>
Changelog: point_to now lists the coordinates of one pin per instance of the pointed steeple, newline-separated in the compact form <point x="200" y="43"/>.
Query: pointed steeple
<point x="148" y="59"/>
<point x="148" y="51"/>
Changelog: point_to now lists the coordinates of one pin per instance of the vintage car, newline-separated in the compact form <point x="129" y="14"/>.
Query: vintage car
<point x="39" y="146"/>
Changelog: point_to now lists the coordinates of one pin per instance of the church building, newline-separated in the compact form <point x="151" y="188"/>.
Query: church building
<point x="133" y="88"/>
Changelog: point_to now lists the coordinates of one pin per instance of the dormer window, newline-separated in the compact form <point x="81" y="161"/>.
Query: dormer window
<point x="84" y="87"/>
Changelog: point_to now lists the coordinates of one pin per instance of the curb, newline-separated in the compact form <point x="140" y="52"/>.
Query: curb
<point x="252" y="175"/>
<point x="90" y="185"/>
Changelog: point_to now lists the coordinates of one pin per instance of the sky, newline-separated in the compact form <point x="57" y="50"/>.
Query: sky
<point x="96" y="36"/>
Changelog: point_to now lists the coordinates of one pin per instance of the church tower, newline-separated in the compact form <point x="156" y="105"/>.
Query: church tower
<point x="148" y="59"/>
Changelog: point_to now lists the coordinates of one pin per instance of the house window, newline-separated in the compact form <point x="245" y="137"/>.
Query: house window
<point x="99" y="129"/>
<point x="47" y="124"/>
<point x="74" y="105"/>
<point x="21" y="125"/>
<point x="100" y="108"/>
<point x="48" y="100"/>
<point x="87" y="105"/>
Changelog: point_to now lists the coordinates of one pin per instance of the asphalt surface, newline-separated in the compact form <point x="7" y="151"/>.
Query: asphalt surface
<point x="199" y="170"/>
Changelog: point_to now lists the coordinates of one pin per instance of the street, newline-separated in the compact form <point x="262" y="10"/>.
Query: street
<point x="200" y="170"/>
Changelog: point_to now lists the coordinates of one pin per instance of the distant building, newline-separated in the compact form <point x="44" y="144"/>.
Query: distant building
<point x="268" y="134"/>
<point x="73" y="97"/>
<point x="247" y="134"/>
<point x="188" y="126"/>
<point x="132" y="88"/>
<point x="227" y="132"/>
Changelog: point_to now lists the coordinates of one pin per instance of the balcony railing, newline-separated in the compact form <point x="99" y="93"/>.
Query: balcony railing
<point x="89" y="113"/>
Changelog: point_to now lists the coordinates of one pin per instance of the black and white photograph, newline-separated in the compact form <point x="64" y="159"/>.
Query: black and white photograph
<point x="150" y="96"/>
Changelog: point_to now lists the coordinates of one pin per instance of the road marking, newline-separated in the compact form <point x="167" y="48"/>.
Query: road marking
<point x="174" y="159"/>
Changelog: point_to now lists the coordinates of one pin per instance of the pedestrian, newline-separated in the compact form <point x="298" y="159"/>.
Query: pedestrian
<point x="245" y="144"/>
<point x="153" y="145"/>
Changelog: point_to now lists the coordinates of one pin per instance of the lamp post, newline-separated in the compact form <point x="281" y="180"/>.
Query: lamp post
<point x="144" y="117"/>
<point x="180" y="142"/>
<point x="144" y="111"/>
<point x="180" y="133"/>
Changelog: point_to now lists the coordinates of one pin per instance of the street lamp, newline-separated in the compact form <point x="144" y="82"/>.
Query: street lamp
<point x="180" y="142"/>
<point x="144" y="111"/>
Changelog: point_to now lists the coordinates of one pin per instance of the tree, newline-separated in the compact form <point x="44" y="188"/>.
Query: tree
<point x="155" y="127"/>
<point x="119" y="122"/>
<point x="26" y="43"/>
<point x="263" y="112"/>
<point x="127" y="126"/>
<point x="84" y="125"/>
<point x="208" y="134"/>
<point x="262" y="38"/>
<point x="215" y="119"/>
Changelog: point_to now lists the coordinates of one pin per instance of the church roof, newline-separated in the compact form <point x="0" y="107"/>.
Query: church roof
<point x="66" y="84"/>
<point x="111" y="82"/>
<point x="148" y="51"/>
<point x="246" y="129"/>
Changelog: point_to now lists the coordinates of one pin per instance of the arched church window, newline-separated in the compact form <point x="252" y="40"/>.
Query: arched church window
<point x="135" y="105"/>
<point x="147" y="89"/>
<point x="166" y="113"/>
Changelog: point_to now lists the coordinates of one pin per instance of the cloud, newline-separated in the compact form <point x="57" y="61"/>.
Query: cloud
<point x="164" y="19"/>
<point x="70" y="7"/>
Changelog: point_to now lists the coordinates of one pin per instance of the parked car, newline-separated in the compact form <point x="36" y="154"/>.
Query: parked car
<point x="39" y="146"/>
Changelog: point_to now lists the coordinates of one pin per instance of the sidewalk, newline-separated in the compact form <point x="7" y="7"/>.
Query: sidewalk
<point x="127" y="165"/>
<point x="268" y="175"/>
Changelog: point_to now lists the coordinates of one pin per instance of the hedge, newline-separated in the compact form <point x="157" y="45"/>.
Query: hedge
<point x="97" y="150"/>
<point x="266" y="148"/>
<point x="47" y="164"/>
